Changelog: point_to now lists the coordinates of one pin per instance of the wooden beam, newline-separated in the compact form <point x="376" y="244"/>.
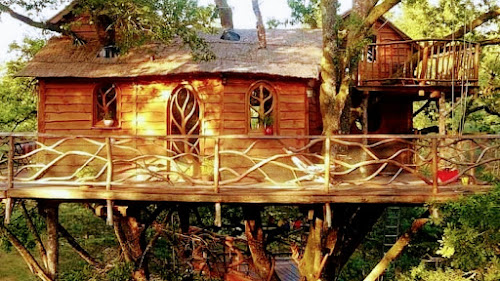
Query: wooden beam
<point x="416" y="194"/>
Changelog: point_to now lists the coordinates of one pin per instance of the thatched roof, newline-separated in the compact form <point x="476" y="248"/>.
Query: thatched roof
<point x="289" y="53"/>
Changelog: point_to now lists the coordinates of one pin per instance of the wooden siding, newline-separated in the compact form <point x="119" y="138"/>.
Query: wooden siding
<point x="66" y="107"/>
<point x="383" y="63"/>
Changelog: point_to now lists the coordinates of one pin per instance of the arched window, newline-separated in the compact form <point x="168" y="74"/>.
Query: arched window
<point x="184" y="119"/>
<point x="105" y="105"/>
<point x="261" y="106"/>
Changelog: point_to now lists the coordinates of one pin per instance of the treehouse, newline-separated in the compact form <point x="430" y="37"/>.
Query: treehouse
<point x="155" y="125"/>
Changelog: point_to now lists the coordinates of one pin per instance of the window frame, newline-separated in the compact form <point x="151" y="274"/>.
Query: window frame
<point x="274" y="114"/>
<point x="98" y="124"/>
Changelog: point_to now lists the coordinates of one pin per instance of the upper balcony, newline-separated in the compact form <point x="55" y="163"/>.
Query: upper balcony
<point x="243" y="169"/>
<point x="420" y="64"/>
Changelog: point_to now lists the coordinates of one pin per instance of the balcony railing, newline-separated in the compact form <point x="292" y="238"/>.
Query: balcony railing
<point x="223" y="163"/>
<point x="420" y="62"/>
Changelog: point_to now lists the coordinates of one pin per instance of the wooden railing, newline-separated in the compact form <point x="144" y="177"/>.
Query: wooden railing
<point x="215" y="163"/>
<point x="420" y="62"/>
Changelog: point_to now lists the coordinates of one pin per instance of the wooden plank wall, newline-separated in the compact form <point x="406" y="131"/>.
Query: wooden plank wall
<point x="389" y="58"/>
<point x="83" y="28"/>
<point x="66" y="108"/>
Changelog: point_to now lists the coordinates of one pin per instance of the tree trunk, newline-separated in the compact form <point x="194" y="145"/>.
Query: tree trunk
<point x="329" y="69"/>
<point x="261" y="31"/>
<point x="225" y="14"/>
<point x="256" y="244"/>
<point x="51" y="211"/>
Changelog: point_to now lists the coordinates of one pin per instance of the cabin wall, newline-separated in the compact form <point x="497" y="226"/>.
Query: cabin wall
<point x="82" y="27"/>
<point x="66" y="108"/>
<point x="388" y="59"/>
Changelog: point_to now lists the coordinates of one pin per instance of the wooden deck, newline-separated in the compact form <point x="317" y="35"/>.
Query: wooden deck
<point x="359" y="169"/>
<point x="420" y="63"/>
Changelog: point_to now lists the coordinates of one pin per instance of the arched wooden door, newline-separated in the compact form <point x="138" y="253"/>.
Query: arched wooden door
<point x="184" y="120"/>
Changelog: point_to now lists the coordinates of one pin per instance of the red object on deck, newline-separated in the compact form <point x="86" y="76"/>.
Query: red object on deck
<point x="447" y="175"/>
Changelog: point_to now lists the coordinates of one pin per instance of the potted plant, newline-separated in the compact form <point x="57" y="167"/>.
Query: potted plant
<point x="268" y="125"/>
<point x="108" y="119"/>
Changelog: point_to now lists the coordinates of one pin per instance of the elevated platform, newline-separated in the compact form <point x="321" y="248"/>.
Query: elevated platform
<point x="409" y="67"/>
<point x="394" y="169"/>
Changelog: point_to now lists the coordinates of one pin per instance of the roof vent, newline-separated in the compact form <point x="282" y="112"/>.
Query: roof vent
<point x="230" y="35"/>
<point x="108" y="52"/>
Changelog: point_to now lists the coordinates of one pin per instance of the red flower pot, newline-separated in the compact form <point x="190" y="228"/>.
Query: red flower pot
<point x="269" y="131"/>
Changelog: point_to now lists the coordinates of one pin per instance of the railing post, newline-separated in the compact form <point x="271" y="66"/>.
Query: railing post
<point x="10" y="164"/>
<point x="327" y="163"/>
<point x="435" y="160"/>
<point x="216" y="164"/>
<point x="476" y="63"/>
<point x="109" y="179"/>
<point x="10" y="180"/>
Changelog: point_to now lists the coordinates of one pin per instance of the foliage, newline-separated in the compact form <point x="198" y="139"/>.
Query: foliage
<point x="137" y="22"/>
<point x="469" y="242"/>
<point x="440" y="17"/>
<point x="305" y="12"/>
<point x="20" y="229"/>
<point x="17" y="94"/>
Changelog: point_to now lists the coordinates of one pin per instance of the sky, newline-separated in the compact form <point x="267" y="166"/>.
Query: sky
<point x="13" y="30"/>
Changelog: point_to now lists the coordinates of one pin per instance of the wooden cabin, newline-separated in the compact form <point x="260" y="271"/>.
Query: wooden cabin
<point x="153" y="124"/>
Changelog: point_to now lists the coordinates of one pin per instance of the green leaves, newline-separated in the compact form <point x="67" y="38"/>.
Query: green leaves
<point x="137" y="22"/>
<point x="17" y="95"/>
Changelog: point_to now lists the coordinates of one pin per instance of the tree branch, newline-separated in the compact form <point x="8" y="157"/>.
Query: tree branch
<point x="397" y="248"/>
<point x="493" y="41"/>
<point x="25" y="254"/>
<point x="38" y="240"/>
<point x="225" y="14"/>
<point x="38" y="24"/>
<point x="422" y="108"/>
<point x="379" y="11"/>
<point x="72" y="242"/>
<point x="485" y="108"/>
<point x="461" y="31"/>
<point x="261" y="31"/>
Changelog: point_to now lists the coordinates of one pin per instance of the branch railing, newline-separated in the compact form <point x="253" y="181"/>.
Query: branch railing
<point x="420" y="62"/>
<point x="316" y="163"/>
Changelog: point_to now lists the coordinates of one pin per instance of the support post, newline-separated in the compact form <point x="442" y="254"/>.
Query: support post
<point x="442" y="114"/>
<point x="218" y="215"/>
<point x="9" y="204"/>
<point x="51" y="210"/>
<point x="327" y="163"/>
<point x="435" y="161"/>
<point x="109" y="179"/>
<point x="476" y="63"/>
<point x="328" y="215"/>
<point x="216" y="164"/>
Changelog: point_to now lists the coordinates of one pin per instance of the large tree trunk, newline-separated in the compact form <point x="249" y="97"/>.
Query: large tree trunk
<point x="256" y="243"/>
<point x="329" y="70"/>
<point x="328" y="249"/>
